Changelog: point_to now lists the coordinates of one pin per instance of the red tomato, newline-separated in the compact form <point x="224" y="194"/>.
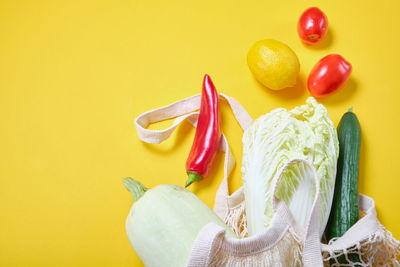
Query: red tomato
<point x="312" y="26"/>
<point x="328" y="75"/>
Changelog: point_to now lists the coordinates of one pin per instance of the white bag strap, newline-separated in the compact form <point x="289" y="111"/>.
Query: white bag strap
<point x="182" y="110"/>
<point x="206" y="245"/>
<point x="185" y="110"/>
<point x="221" y="205"/>
<point x="211" y="239"/>
<point x="361" y="230"/>
<point x="312" y="256"/>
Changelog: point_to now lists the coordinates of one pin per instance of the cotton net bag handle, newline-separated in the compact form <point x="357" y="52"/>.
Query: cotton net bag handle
<point x="186" y="110"/>
<point x="312" y="247"/>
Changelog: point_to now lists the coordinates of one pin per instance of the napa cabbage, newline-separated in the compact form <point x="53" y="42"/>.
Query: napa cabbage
<point x="272" y="140"/>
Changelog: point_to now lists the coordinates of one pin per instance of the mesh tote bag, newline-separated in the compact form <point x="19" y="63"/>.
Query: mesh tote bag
<point x="284" y="243"/>
<point x="368" y="239"/>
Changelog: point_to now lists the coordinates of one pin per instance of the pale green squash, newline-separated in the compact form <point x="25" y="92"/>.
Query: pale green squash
<point x="164" y="222"/>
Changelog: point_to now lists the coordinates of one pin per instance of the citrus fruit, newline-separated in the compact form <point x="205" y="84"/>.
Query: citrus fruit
<point x="273" y="64"/>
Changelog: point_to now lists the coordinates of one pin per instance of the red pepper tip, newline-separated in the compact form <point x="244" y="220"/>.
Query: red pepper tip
<point x="207" y="78"/>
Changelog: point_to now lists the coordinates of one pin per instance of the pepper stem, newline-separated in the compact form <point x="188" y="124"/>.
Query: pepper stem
<point x="135" y="187"/>
<point x="193" y="177"/>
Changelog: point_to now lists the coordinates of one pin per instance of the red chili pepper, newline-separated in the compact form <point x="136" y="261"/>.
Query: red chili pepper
<point x="208" y="135"/>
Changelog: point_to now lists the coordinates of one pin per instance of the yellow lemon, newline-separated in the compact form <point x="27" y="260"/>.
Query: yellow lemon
<point x="273" y="64"/>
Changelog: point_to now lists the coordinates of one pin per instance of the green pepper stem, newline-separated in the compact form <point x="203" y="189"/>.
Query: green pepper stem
<point x="135" y="187"/>
<point x="193" y="177"/>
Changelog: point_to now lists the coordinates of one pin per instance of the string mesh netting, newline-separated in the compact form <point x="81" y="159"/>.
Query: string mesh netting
<point x="379" y="249"/>
<point x="278" y="255"/>
<point x="236" y="220"/>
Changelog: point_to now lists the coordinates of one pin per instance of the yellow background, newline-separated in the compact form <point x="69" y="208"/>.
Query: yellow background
<point x="75" y="74"/>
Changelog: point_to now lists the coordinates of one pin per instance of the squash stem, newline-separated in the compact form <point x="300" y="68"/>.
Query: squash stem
<point x="135" y="187"/>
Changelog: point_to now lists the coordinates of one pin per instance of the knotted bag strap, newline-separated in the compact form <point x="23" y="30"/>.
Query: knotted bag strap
<point x="186" y="110"/>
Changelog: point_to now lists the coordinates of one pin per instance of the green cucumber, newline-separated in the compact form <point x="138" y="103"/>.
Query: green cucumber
<point x="344" y="211"/>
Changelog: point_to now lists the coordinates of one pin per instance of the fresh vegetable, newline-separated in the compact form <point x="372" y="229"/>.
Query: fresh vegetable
<point x="208" y="135"/>
<point x="164" y="222"/>
<point x="312" y="26"/>
<point x="344" y="213"/>
<point x="272" y="140"/>
<point x="273" y="64"/>
<point x="329" y="75"/>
